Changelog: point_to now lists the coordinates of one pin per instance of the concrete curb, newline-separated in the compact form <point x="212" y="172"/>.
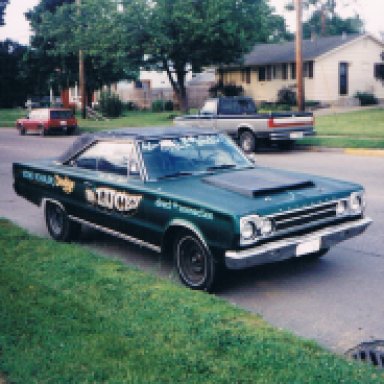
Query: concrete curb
<point x="347" y="151"/>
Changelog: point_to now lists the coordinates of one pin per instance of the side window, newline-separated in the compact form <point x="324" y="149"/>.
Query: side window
<point x="110" y="157"/>
<point x="226" y="107"/>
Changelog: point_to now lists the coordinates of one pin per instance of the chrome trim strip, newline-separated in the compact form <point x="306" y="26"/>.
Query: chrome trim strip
<point x="53" y="201"/>
<point x="316" y="213"/>
<point x="117" y="234"/>
<point x="304" y="208"/>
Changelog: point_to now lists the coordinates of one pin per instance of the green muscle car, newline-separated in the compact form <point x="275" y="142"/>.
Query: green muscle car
<point x="191" y="193"/>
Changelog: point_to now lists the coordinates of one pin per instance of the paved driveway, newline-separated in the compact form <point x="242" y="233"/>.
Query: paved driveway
<point x="336" y="300"/>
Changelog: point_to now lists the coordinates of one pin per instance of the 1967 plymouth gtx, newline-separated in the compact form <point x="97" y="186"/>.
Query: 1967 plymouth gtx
<point x="193" y="194"/>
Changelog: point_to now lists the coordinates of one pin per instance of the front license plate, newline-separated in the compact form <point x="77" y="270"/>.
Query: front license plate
<point x="309" y="246"/>
<point x="63" y="123"/>
<point x="296" y="135"/>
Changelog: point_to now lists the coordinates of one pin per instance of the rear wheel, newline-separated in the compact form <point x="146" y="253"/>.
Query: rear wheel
<point x="59" y="225"/>
<point x="42" y="131"/>
<point x="247" y="141"/>
<point x="21" y="130"/>
<point x="194" y="262"/>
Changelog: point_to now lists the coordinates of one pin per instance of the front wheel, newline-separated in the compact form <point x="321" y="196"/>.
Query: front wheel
<point x="194" y="262"/>
<point x="247" y="141"/>
<point x="59" y="225"/>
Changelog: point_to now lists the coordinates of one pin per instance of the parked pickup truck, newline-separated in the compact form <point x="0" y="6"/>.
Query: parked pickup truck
<point x="238" y="117"/>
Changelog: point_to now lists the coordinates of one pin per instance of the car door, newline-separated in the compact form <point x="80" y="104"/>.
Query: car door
<point x="109" y="193"/>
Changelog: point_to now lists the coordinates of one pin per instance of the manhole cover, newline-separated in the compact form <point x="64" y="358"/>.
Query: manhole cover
<point x="371" y="352"/>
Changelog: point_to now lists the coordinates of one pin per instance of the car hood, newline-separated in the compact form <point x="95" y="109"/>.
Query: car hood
<point x="259" y="190"/>
<point x="252" y="183"/>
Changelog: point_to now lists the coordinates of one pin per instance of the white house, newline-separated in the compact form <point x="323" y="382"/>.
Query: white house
<point x="335" y="68"/>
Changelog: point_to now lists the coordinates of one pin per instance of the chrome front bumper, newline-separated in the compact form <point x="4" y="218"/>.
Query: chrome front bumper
<point x="295" y="246"/>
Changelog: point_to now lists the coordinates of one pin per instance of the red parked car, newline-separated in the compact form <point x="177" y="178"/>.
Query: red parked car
<point x="46" y="120"/>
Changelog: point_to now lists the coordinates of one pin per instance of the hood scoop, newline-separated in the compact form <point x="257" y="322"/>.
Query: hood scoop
<point x="258" y="182"/>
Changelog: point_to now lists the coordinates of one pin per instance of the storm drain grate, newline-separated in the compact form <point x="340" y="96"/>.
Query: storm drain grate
<point x="370" y="352"/>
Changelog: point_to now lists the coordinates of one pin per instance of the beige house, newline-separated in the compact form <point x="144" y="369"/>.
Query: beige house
<point x="335" y="68"/>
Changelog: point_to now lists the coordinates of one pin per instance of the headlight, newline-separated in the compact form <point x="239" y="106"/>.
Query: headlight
<point x="341" y="208"/>
<point x="265" y="227"/>
<point x="247" y="230"/>
<point x="254" y="227"/>
<point x="356" y="202"/>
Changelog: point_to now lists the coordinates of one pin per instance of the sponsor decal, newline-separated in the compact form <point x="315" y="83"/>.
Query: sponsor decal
<point x="54" y="181"/>
<point x="113" y="200"/>
<point x="37" y="177"/>
<point x="173" y="205"/>
<point x="65" y="183"/>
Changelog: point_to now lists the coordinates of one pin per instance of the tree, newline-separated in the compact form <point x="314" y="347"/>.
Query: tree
<point x="13" y="88"/>
<point x="170" y="35"/>
<point x="62" y="29"/>
<point x="3" y="5"/>
<point x="181" y="35"/>
<point x="324" y="20"/>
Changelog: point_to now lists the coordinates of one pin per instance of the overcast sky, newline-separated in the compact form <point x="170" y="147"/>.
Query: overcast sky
<point x="371" y="11"/>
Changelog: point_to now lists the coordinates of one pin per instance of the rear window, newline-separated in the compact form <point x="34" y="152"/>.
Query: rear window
<point x="61" y="114"/>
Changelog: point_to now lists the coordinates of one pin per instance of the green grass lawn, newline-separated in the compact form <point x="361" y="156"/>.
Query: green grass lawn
<point x="68" y="315"/>
<point x="359" y="129"/>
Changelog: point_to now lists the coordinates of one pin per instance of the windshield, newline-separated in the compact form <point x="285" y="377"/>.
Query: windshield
<point x="190" y="155"/>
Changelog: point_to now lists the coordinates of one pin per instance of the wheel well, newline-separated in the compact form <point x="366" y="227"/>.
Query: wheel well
<point x="172" y="232"/>
<point x="244" y="129"/>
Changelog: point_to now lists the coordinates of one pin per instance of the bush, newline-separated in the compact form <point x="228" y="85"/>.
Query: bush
<point x="286" y="96"/>
<point x="220" y="89"/>
<point x="366" y="98"/>
<point x="110" y="104"/>
<point x="130" y="106"/>
<point x="161" y="105"/>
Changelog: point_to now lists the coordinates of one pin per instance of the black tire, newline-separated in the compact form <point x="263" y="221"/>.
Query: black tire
<point x="21" y="130"/>
<point x="59" y="226"/>
<point x="195" y="265"/>
<point x="247" y="141"/>
<point x="286" y="145"/>
<point x="42" y="131"/>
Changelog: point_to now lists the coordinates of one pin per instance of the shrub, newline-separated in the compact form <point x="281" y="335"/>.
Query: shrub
<point x="286" y="96"/>
<point x="162" y="105"/>
<point x="220" y="89"/>
<point x="110" y="104"/>
<point x="366" y="98"/>
<point x="130" y="106"/>
<point x="168" y="106"/>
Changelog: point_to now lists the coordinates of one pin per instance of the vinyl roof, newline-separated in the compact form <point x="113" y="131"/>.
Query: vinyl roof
<point x="139" y="133"/>
<point x="263" y="54"/>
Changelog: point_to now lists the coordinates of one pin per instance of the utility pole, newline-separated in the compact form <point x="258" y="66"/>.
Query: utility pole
<point x="81" y="73"/>
<point x="299" y="54"/>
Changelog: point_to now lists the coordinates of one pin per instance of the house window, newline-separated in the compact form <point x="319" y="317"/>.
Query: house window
<point x="284" y="71"/>
<point x="293" y="71"/>
<point x="262" y="74"/>
<point x="308" y="69"/>
<point x="246" y="75"/>
<point x="379" y="71"/>
<point x="266" y="73"/>
<point x="343" y="79"/>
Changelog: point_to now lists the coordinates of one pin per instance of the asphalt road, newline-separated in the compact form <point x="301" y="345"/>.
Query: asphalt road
<point x="336" y="301"/>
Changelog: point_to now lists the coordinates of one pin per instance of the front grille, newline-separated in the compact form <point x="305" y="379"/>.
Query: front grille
<point x="302" y="217"/>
